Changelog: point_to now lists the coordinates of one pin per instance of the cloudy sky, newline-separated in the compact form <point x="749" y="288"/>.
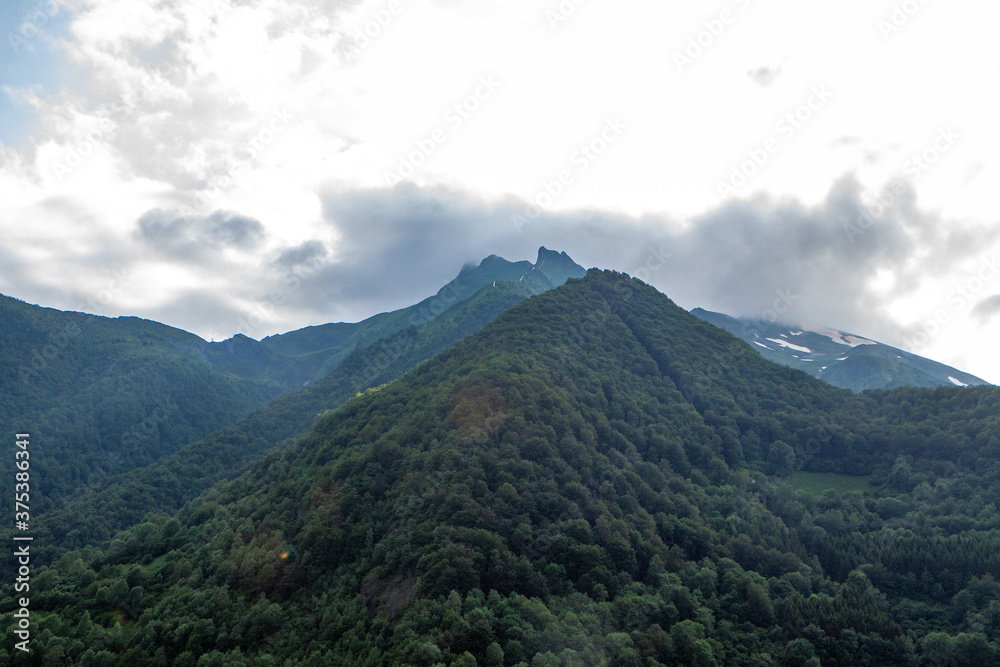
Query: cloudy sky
<point x="226" y="165"/>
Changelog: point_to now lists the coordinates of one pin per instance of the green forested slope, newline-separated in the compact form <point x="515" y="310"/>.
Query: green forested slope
<point x="578" y="483"/>
<point x="122" y="500"/>
<point x="102" y="395"/>
<point x="106" y="396"/>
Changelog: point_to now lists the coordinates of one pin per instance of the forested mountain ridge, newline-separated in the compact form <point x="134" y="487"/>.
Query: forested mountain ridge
<point x="109" y="395"/>
<point x="122" y="500"/>
<point x="317" y="350"/>
<point x="106" y="395"/>
<point x="842" y="359"/>
<point x="576" y="483"/>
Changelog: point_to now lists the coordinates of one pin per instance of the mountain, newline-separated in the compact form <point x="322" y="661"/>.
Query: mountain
<point x="315" y="351"/>
<point x="109" y="395"/>
<point x="122" y="500"/>
<point x="101" y="395"/>
<point x="116" y="501"/>
<point x="842" y="359"/>
<point x="595" y="477"/>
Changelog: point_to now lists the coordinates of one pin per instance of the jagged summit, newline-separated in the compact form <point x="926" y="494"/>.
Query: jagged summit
<point x="552" y="261"/>
<point x="307" y="354"/>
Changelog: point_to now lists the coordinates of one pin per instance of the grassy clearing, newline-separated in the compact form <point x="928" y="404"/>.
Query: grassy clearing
<point x="815" y="483"/>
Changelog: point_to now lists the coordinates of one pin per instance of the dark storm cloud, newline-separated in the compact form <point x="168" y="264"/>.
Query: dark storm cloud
<point x="807" y="264"/>
<point x="307" y="254"/>
<point x="193" y="238"/>
<point x="236" y="231"/>
<point x="987" y="308"/>
<point x="760" y="258"/>
<point x="816" y="265"/>
<point x="397" y="247"/>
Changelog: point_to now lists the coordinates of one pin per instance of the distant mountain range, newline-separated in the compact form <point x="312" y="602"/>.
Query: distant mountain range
<point x="842" y="359"/>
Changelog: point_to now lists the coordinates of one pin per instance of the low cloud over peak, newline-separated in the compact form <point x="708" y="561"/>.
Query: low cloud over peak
<point x="818" y="264"/>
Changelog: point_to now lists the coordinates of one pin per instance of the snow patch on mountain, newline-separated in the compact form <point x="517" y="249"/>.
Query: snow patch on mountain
<point x="784" y="343"/>
<point x="842" y="338"/>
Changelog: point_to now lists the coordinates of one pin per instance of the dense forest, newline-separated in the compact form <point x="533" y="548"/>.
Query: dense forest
<point x="98" y="512"/>
<point x="596" y="477"/>
<point x="108" y="395"/>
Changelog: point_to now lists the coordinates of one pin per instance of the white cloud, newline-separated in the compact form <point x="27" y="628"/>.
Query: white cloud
<point x="276" y="110"/>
